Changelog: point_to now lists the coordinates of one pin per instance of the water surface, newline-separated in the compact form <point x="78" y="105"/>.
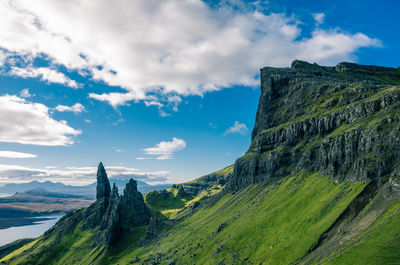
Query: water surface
<point x="11" y="234"/>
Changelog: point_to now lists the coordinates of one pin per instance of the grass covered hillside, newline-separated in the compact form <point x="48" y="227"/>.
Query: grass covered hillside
<point x="279" y="223"/>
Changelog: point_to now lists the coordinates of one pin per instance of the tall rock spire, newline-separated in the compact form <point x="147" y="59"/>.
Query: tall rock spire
<point x="103" y="188"/>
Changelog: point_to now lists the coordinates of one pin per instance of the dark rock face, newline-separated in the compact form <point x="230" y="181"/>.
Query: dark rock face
<point x="103" y="188"/>
<point x="133" y="209"/>
<point x="122" y="212"/>
<point x="342" y="121"/>
<point x="111" y="220"/>
<point x="110" y="216"/>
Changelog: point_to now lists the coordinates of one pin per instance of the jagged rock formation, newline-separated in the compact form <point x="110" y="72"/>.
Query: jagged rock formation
<point x="121" y="212"/>
<point x="111" y="222"/>
<point x="342" y="121"/>
<point x="133" y="209"/>
<point x="110" y="215"/>
<point x="103" y="188"/>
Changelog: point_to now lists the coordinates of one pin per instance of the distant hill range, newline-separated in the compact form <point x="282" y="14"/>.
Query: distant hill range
<point x="87" y="190"/>
<point x="33" y="199"/>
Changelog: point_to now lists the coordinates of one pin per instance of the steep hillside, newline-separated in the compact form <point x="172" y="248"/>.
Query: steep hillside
<point x="318" y="185"/>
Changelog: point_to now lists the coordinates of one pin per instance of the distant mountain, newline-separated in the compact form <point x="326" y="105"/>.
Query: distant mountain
<point x="87" y="190"/>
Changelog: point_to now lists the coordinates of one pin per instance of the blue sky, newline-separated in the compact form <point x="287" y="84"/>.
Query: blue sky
<point x="163" y="90"/>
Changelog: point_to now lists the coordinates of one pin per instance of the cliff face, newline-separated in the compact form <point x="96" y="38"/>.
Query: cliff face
<point x="342" y="121"/>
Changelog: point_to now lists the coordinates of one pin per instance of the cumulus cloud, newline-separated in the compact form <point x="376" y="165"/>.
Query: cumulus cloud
<point x="162" y="47"/>
<point x="77" y="175"/>
<point x="45" y="74"/>
<point x="25" y="122"/>
<point x="175" y="101"/>
<point x="76" y="108"/>
<point x="25" y="93"/>
<point x="238" y="128"/>
<point x="12" y="154"/>
<point x="164" y="150"/>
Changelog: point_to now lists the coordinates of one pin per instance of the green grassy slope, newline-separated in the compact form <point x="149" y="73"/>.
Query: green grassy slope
<point x="257" y="224"/>
<point x="166" y="201"/>
<point x="379" y="244"/>
<point x="7" y="249"/>
<point x="274" y="224"/>
<point x="72" y="249"/>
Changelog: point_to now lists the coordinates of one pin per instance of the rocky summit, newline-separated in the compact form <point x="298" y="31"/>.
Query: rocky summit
<point x="319" y="184"/>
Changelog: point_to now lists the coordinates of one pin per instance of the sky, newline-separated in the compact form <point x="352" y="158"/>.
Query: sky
<point x="162" y="90"/>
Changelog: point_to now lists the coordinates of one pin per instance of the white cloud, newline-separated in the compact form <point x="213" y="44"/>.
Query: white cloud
<point x="25" y="93"/>
<point x="164" y="150"/>
<point x="163" y="47"/>
<point x="116" y="99"/>
<point x="76" y="108"/>
<point x="175" y="101"/>
<point x="25" y="122"/>
<point x="237" y="127"/>
<point x="319" y="18"/>
<point x="77" y="175"/>
<point x="12" y="154"/>
<point x="3" y="57"/>
<point x="45" y="74"/>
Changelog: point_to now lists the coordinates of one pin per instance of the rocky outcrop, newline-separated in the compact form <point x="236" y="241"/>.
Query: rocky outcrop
<point x="109" y="216"/>
<point x="122" y="212"/>
<point x="134" y="211"/>
<point x="342" y="121"/>
<point x="103" y="188"/>
<point x="111" y="222"/>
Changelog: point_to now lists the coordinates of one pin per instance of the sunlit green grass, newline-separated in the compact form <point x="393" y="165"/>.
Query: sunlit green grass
<point x="275" y="224"/>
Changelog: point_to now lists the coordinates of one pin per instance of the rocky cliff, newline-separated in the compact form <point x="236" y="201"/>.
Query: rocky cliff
<point x="342" y="121"/>
<point x="111" y="214"/>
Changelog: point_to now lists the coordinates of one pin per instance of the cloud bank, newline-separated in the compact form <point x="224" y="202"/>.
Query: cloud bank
<point x="160" y="48"/>
<point x="12" y="154"/>
<point x="25" y="122"/>
<point x="77" y="175"/>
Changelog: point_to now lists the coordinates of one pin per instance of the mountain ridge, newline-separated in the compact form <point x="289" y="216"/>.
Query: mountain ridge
<point x="88" y="190"/>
